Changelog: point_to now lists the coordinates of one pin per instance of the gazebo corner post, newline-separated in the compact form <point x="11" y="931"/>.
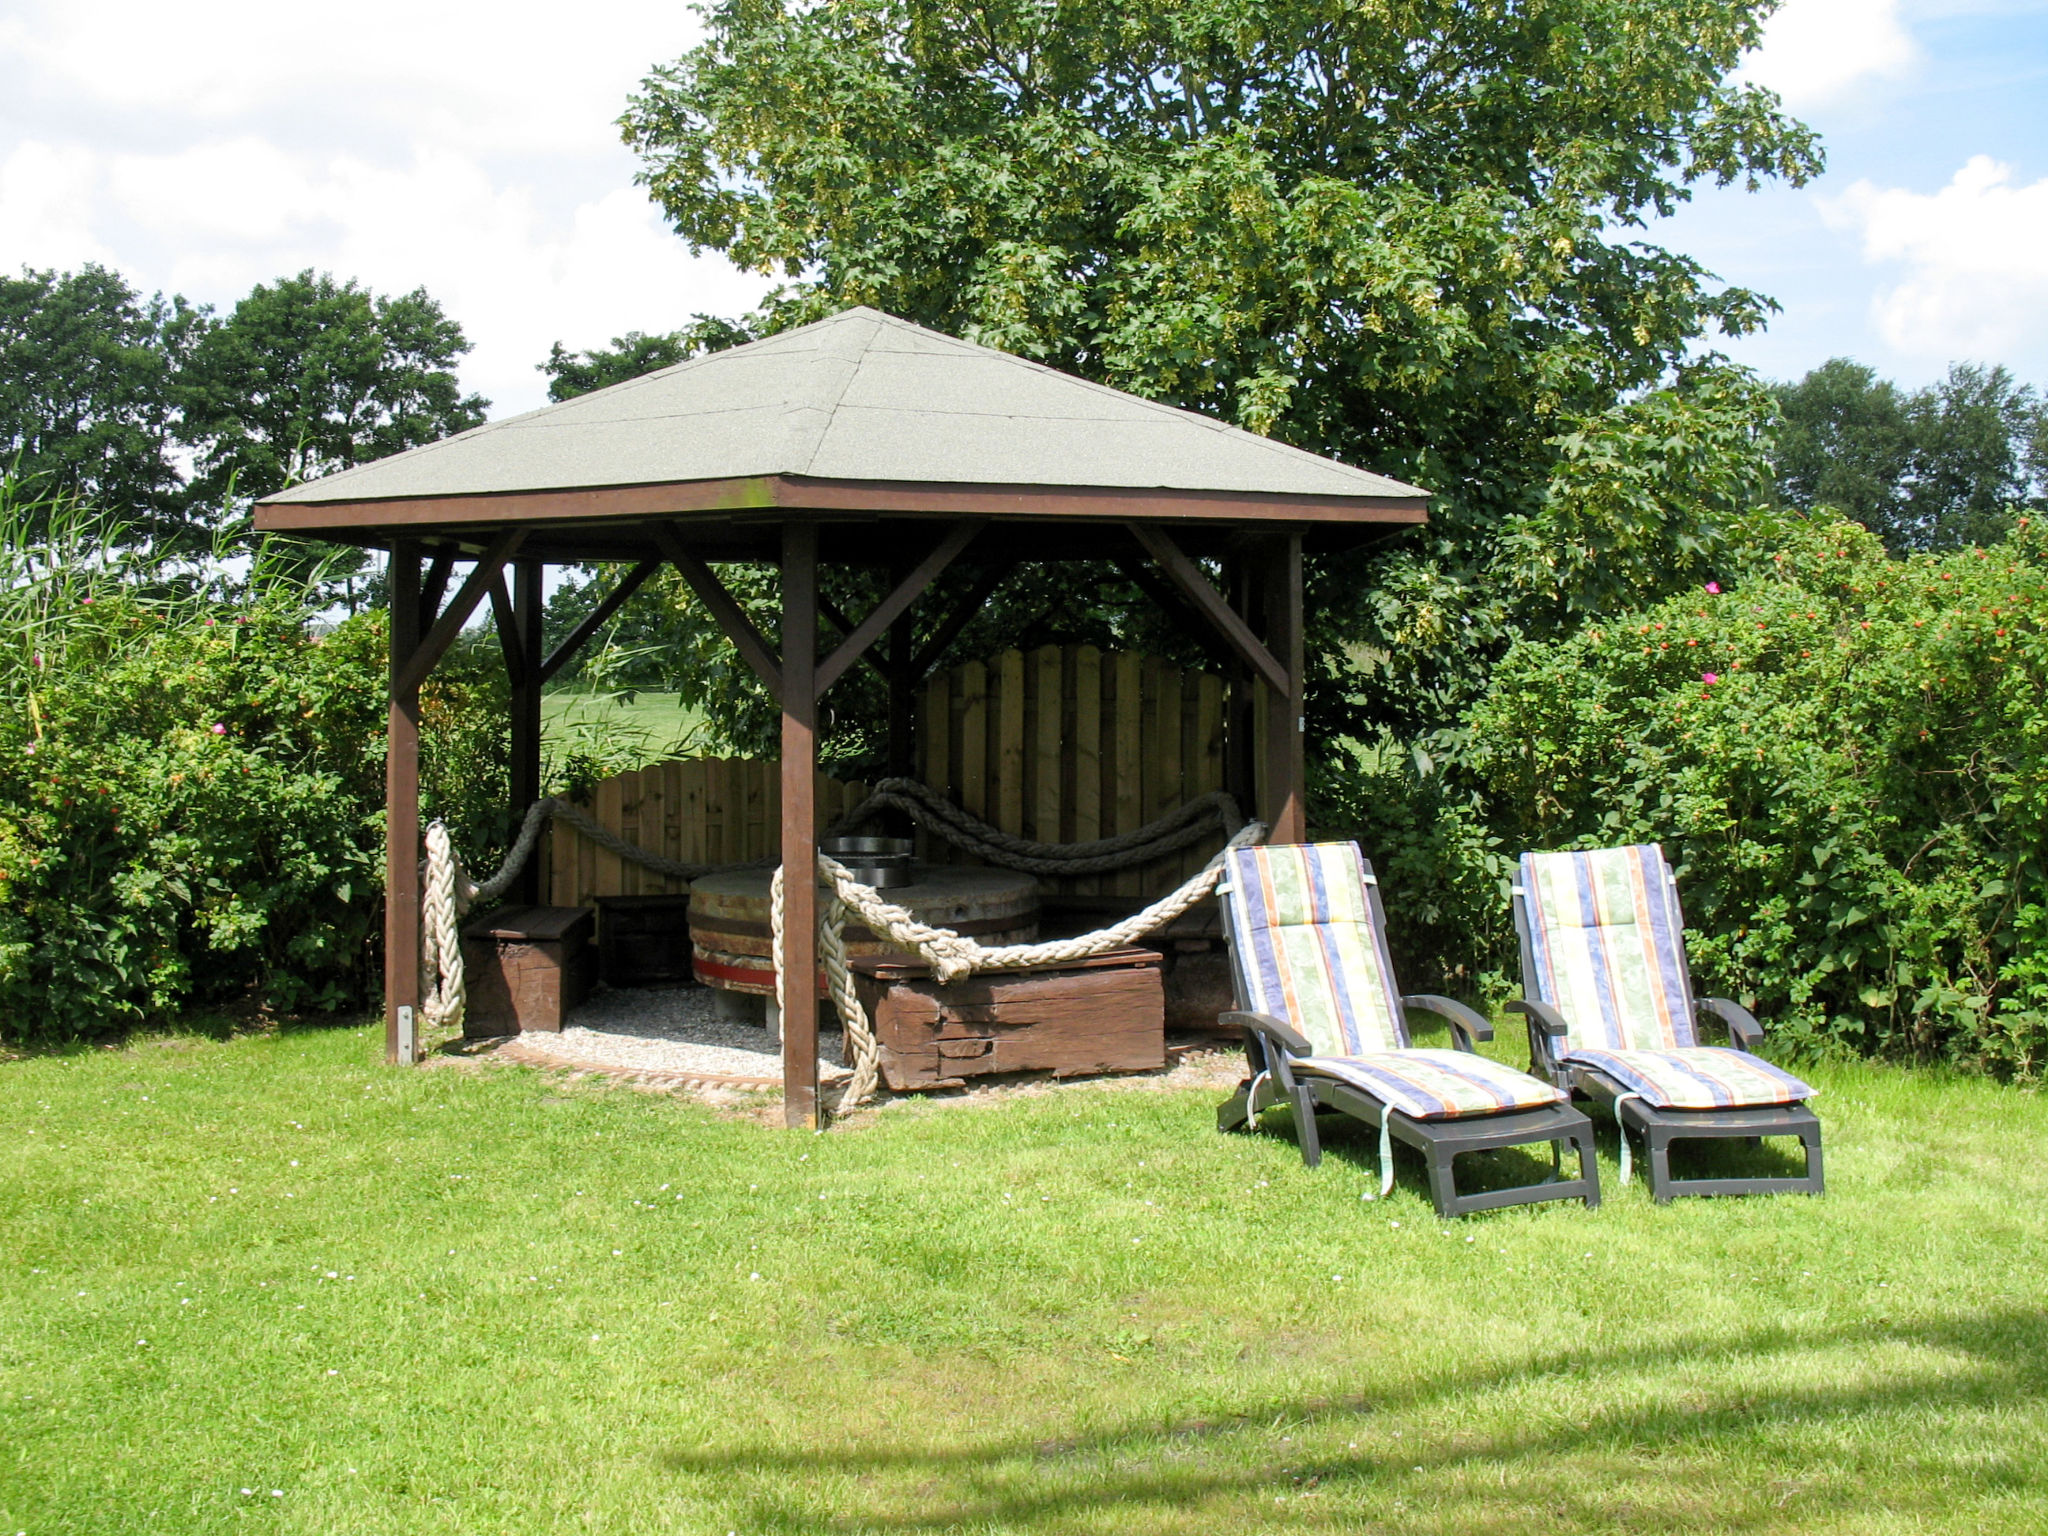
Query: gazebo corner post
<point x="1286" y="721"/>
<point x="528" y="608"/>
<point x="402" y="815"/>
<point x="799" y="825"/>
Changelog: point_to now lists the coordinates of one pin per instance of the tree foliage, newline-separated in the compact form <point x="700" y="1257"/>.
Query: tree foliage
<point x="307" y="376"/>
<point x="1934" y="468"/>
<point x="87" y="368"/>
<point x="1845" y="753"/>
<point x="1399" y="234"/>
<point x="629" y="356"/>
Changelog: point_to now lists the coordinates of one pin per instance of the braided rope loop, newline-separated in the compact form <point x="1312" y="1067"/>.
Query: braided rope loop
<point x="447" y="893"/>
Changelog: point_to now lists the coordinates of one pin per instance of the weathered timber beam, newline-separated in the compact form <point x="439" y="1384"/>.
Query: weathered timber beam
<point x="731" y="618"/>
<point x="896" y="604"/>
<point x="460" y="607"/>
<point x="1182" y="615"/>
<point x="597" y="617"/>
<point x="957" y="621"/>
<point x="435" y="586"/>
<point x="507" y="623"/>
<point x="836" y="616"/>
<point x="1194" y="585"/>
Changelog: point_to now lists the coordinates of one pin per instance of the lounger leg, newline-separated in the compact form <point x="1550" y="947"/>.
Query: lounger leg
<point x="1443" y="1181"/>
<point x="1305" y="1125"/>
<point x="1235" y="1111"/>
<point x="1810" y="1140"/>
<point x="1658" y="1145"/>
<point x="1589" y="1165"/>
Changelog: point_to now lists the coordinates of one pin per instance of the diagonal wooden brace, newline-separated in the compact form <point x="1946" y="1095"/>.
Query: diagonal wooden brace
<point x="1193" y="584"/>
<point x="731" y="618"/>
<point x="488" y="566"/>
<point x="896" y="604"/>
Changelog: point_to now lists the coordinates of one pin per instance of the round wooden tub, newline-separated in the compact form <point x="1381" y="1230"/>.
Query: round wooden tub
<point x="729" y="935"/>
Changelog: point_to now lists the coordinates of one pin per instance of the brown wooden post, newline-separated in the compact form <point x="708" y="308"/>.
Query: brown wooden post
<point x="1240" y="762"/>
<point x="799" y="825"/>
<point x="402" y="815"/>
<point x="528" y="609"/>
<point x="902" y="687"/>
<point x="1286" y="752"/>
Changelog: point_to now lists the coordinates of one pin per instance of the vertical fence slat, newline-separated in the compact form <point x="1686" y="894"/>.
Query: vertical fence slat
<point x="1048" y="747"/>
<point x="1130" y="726"/>
<point x="1009" y="753"/>
<point x="1087" y="750"/>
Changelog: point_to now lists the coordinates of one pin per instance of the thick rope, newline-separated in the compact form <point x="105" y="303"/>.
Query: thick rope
<point x="448" y="894"/>
<point x="443" y="991"/>
<point x="952" y="955"/>
<point x="1170" y="833"/>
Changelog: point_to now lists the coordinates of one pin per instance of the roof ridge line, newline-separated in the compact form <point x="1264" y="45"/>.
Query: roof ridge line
<point x="853" y="367"/>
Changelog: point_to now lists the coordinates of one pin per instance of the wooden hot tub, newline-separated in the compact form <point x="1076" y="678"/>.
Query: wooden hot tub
<point x="730" y="944"/>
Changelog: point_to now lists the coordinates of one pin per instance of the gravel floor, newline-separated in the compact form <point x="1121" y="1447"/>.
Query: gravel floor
<point x="671" y="1029"/>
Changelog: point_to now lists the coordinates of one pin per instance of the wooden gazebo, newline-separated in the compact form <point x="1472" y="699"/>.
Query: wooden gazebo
<point x="860" y="439"/>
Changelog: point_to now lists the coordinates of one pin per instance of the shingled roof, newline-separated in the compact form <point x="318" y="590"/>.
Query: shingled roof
<point x="860" y="397"/>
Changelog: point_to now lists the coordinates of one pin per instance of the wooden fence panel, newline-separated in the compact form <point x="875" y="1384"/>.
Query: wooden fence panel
<point x="1066" y="744"/>
<point x="1069" y="744"/>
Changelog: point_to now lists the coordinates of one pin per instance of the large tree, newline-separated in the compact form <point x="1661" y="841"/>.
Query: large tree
<point x="86" y="407"/>
<point x="1927" y="469"/>
<point x="307" y="376"/>
<point x="1400" y="233"/>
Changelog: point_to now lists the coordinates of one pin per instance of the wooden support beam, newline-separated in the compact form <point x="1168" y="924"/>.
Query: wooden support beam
<point x="435" y="645"/>
<point x="731" y="618"/>
<point x="1194" y="585"/>
<point x="1286" y="749"/>
<point x="402" y="811"/>
<point x="523" y="778"/>
<point x="508" y="634"/>
<point x="896" y="604"/>
<point x="1183" y="616"/>
<point x="799" y="825"/>
<point x="833" y="613"/>
<point x="900" y="742"/>
<point x="597" y="618"/>
<point x="972" y="603"/>
<point x="435" y="586"/>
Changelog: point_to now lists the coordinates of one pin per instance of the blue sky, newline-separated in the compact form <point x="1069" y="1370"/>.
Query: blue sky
<point x="1927" y="239"/>
<point x="468" y="147"/>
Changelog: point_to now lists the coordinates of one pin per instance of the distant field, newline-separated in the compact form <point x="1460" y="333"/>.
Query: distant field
<point x="648" y="729"/>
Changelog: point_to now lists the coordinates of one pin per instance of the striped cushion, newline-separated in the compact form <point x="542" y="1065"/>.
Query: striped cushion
<point x="1305" y="947"/>
<point x="1705" y="1077"/>
<point x="1434" y="1085"/>
<point x="1607" y="947"/>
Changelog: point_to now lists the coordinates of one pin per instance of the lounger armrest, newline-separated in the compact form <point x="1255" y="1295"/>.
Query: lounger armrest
<point x="1273" y="1031"/>
<point x="1466" y="1025"/>
<point x="1744" y="1033"/>
<point x="1545" y="1017"/>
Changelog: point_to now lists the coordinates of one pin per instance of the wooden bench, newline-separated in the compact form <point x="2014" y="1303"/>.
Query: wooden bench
<point x="526" y="968"/>
<point x="1106" y="1014"/>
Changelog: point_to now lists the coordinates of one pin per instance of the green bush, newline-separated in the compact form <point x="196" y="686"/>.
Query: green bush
<point x="191" y="791"/>
<point x="1846" y="755"/>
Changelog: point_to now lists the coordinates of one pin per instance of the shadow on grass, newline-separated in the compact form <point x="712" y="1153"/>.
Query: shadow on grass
<point x="1584" y="1465"/>
<point x="215" y="1025"/>
<point x="1356" y="1144"/>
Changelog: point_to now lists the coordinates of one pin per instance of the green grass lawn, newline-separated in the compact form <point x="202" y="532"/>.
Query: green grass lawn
<point x="272" y="1285"/>
<point x="649" y="727"/>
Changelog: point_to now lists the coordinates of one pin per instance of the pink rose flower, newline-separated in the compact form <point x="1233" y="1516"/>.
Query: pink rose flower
<point x="1714" y="587"/>
<point x="220" y="730"/>
<point x="1705" y="677"/>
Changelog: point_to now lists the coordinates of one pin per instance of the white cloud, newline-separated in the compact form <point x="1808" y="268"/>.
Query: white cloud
<point x="464" y="148"/>
<point x="1815" y="51"/>
<point x="46" y="199"/>
<point x="1975" y="255"/>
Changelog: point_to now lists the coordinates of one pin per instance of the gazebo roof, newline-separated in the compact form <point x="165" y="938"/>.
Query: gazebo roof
<point x="859" y="412"/>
